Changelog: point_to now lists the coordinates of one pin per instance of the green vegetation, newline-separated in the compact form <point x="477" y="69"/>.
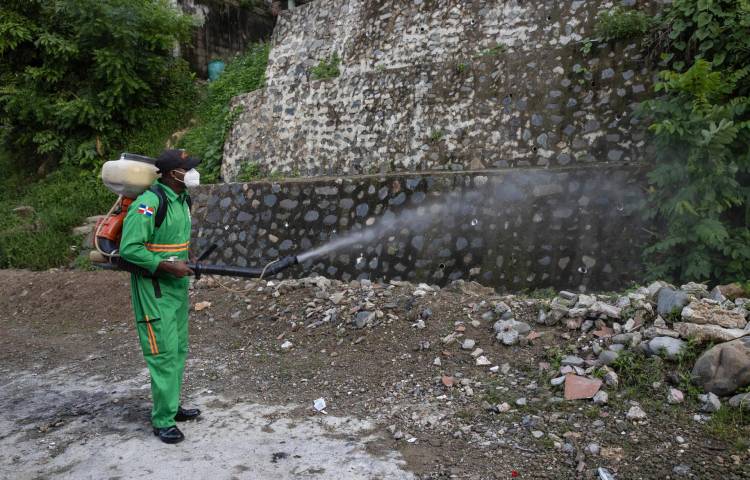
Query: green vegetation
<point x="701" y="125"/>
<point x="78" y="78"/>
<point x="214" y="115"/>
<point x="80" y="81"/>
<point x="43" y="239"/>
<point x="496" y="50"/>
<point x="250" y="171"/>
<point x="731" y="425"/>
<point x="619" y="23"/>
<point x="461" y="68"/>
<point x="638" y="372"/>
<point x="328" y="68"/>
<point x="622" y="24"/>
<point x="436" y="135"/>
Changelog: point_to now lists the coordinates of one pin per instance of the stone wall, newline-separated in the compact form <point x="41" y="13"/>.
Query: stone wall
<point x="374" y="34"/>
<point x="573" y="228"/>
<point x="441" y="85"/>
<point x="225" y="29"/>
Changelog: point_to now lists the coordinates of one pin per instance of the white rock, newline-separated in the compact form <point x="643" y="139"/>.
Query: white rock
<point x="711" y="402"/>
<point x="468" y="344"/>
<point x="675" y="396"/>
<point x="476" y="353"/>
<point x="601" y="398"/>
<point x="521" y="401"/>
<point x="509" y="337"/>
<point x="592" y="449"/>
<point x="437" y="362"/>
<point x="482" y="361"/>
<point x="667" y="346"/>
<point x="606" y="310"/>
<point x="287" y="345"/>
<point x="503" y="407"/>
<point x="635" y="413"/>
<point x="585" y="301"/>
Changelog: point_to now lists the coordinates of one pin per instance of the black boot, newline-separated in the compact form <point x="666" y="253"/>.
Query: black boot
<point x="169" y="434"/>
<point x="187" y="414"/>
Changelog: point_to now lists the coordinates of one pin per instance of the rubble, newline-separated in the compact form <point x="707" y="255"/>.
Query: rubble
<point x="586" y="334"/>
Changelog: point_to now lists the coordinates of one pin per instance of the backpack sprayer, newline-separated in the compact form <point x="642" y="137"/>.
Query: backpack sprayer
<point x="128" y="177"/>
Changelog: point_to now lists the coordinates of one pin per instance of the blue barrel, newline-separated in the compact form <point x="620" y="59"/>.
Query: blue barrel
<point x="215" y="68"/>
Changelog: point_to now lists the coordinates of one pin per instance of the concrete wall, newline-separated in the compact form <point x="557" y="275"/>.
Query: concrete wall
<point x="225" y="29"/>
<point x="420" y="89"/>
<point x="574" y="228"/>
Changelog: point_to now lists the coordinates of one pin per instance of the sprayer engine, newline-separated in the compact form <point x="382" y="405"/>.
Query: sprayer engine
<point x="128" y="177"/>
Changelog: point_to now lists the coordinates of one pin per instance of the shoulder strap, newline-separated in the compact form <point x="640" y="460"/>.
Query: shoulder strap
<point x="189" y="202"/>
<point x="161" y="212"/>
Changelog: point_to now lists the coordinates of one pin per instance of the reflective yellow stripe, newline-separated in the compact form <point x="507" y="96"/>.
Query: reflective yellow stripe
<point x="155" y="350"/>
<point x="148" y="334"/>
<point x="181" y="249"/>
<point x="167" y="247"/>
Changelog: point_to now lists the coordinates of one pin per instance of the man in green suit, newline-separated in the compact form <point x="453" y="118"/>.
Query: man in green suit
<point x="160" y="298"/>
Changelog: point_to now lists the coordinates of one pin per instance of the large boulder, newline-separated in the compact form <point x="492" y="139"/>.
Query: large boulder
<point x="670" y="300"/>
<point x="724" y="368"/>
<point x="705" y="314"/>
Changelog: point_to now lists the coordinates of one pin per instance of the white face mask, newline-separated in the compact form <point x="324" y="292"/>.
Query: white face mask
<point x="192" y="178"/>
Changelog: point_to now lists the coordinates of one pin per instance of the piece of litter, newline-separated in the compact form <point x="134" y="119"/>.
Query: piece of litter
<point x="201" y="306"/>
<point x="320" y="405"/>
<point x="412" y="440"/>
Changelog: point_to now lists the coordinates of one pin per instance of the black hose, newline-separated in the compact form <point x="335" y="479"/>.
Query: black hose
<point x="227" y="270"/>
<point x="245" y="272"/>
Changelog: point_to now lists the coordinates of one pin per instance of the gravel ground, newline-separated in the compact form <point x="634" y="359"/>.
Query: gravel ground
<point x="261" y="353"/>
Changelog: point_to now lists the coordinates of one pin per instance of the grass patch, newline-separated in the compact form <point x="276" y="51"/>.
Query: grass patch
<point x="214" y="116"/>
<point x="248" y="172"/>
<point x="436" y="135"/>
<point x="327" y="68"/>
<point x="637" y="372"/>
<point x="496" y="50"/>
<point x="731" y="425"/>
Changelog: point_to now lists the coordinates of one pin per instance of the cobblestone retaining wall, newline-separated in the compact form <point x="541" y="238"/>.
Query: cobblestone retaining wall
<point x="513" y="229"/>
<point x="441" y="85"/>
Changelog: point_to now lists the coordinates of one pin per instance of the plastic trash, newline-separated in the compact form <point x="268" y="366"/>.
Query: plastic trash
<point x="320" y="405"/>
<point x="215" y="68"/>
<point x="604" y="474"/>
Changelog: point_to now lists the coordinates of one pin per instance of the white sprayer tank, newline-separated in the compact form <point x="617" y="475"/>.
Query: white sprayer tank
<point x="130" y="175"/>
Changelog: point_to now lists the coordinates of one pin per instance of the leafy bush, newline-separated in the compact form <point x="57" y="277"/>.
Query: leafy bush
<point x="328" y="68"/>
<point x="701" y="124"/>
<point x="622" y="24"/>
<point x="79" y="76"/>
<point x="214" y="116"/>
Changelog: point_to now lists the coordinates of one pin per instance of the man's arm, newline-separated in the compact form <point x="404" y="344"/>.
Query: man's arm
<point x="138" y="229"/>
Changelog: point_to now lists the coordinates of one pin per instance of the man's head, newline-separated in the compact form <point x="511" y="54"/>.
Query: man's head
<point x="177" y="169"/>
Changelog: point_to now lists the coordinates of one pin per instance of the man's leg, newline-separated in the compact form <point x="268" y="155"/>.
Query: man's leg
<point x="159" y="343"/>
<point x="181" y="325"/>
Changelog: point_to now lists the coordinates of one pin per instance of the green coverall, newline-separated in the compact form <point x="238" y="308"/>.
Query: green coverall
<point x="160" y="304"/>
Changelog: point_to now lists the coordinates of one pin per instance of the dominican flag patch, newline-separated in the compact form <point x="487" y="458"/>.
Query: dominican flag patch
<point x="145" y="210"/>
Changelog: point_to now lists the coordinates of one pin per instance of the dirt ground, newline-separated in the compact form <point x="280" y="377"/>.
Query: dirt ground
<point x="75" y="397"/>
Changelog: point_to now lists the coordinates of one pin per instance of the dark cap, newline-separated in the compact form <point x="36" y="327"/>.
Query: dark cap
<point x="172" y="159"/>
